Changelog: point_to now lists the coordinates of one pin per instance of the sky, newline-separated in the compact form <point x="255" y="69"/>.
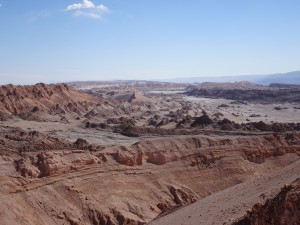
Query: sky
<point x="72" y="40"/>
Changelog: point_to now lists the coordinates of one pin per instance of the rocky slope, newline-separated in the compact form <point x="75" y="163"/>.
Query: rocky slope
<point x="198" y="152"/>
<point x="52" y="98"/>
<point x="127" y="184"/>
<point x="274" y="203"/>
<point x="283" y="209"/>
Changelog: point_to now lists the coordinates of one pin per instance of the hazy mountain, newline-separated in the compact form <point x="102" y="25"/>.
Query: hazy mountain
<point x="286" y="78"/>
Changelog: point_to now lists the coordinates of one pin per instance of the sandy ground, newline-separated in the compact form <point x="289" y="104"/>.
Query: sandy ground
<point x="230" y="204"/>
<point x="242" y="112"/>
<point x="71" y="131"/>
<point x="166" y="102"/>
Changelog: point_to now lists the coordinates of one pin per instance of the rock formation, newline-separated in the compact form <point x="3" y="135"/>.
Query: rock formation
<point x="283" y="209"/>
<point x="52" y="98"/>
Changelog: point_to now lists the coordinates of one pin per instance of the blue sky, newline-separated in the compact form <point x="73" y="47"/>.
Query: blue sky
<point x="67" y="40"/>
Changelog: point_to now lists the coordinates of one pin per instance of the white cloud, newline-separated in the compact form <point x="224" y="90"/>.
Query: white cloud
<point x="88" y="9"/>
<point x="86" y="4"/>
<point x="87" y="14"/>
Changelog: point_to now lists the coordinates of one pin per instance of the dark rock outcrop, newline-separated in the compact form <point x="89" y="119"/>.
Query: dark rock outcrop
<point x="203" y="120"/>
<point x="283" y="209"/>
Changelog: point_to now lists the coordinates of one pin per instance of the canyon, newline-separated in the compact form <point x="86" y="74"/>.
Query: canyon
<point x="149" y="153"/>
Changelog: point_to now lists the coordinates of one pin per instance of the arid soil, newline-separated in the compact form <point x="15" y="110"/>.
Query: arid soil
<point x="284" y="208"/>
<point x="272" y="202"/>
<point x="142" y="152"/>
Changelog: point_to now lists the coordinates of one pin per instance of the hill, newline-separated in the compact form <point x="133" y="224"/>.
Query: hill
<point x="52" y="98"/>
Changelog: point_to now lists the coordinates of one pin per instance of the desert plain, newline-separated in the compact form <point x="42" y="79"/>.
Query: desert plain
<point x="141" y="152"/>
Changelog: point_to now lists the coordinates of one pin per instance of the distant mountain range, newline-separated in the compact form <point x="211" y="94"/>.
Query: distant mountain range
<point x="284" y="78"/>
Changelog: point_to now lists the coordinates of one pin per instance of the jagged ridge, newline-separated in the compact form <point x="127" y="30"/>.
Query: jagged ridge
<point x="52" y="98"/>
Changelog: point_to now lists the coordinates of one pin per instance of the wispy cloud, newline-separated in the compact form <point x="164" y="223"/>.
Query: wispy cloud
<point x="88" y="9"/>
